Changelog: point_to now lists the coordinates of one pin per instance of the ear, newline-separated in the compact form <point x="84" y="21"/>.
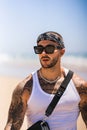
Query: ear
<point x="62" y="51"/>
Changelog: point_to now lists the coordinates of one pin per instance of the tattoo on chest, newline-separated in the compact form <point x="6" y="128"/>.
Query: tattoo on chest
<point x="49" y="87"/>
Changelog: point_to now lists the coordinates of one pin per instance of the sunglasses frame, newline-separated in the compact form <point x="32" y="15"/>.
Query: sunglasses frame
<point x="45" y="49"/>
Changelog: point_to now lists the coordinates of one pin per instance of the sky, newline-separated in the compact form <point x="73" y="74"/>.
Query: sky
<point x="21" y="21"/>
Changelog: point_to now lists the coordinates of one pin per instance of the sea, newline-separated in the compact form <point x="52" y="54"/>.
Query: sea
<point x="21" y="65"/>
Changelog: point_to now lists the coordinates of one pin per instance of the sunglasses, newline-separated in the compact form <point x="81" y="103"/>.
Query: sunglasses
<point x="49" y="49"/>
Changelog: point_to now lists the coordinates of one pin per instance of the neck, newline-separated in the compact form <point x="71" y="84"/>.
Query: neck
<point x="51" y="74"/>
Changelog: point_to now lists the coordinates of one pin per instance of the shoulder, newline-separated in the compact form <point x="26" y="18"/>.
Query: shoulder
<point x="81" y="86"/>
<point x="24" y="88"/>
<point x="79" y="81"/>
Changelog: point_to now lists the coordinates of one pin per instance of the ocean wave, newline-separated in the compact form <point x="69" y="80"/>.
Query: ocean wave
<point x="66" y="60"/>
<point x="19" y="65"/>
<point x="75" y="61"/>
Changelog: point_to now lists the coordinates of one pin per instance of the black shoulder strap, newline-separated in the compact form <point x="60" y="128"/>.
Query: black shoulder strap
<point x="59" y="93"/>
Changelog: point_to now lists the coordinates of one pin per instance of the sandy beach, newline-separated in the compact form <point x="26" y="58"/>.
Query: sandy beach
<point x="7" y="85"/>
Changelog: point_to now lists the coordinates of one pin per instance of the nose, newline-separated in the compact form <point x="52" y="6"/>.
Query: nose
<point x="43" y="52"/>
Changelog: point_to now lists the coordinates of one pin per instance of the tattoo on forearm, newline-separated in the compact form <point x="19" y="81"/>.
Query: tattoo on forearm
<point x="16" y="111"/>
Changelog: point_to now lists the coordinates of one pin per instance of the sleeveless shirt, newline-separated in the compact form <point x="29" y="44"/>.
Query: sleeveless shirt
<point x="66" y="112"/>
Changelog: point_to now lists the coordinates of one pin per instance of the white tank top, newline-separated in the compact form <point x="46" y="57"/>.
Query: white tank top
<point x="65" y="114"/>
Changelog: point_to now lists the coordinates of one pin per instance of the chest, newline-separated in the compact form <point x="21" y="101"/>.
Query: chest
<point x="43" y="93"/>
<point x="50" y="88"/>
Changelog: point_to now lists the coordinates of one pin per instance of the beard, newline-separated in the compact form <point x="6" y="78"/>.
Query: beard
<point x="51" y="63"/>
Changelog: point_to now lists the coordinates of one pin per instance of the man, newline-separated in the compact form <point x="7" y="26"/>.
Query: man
<point x="33" y="94"/>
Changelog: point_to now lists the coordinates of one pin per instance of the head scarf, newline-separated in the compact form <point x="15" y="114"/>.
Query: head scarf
<point x="51" y="36"/>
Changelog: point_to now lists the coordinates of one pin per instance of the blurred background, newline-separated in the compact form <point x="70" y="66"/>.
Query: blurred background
<point x="21" y="21"/>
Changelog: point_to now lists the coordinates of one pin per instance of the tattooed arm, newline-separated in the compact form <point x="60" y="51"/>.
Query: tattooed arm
<point x="81" y="86"/>
<point x="18" y="107"/>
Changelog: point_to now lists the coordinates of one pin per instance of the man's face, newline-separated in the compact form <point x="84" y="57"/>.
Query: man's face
<point x="49" y="60"/>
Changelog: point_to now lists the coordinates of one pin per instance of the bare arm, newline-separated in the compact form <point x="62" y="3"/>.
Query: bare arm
<point x="81" y="86"/>
<point x="17" y="108"/>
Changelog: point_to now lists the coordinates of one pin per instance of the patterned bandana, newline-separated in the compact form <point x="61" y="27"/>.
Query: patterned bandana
<point x="50" y="37"/>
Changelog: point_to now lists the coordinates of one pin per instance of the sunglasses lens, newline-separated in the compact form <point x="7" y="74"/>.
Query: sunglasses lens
<point x="38" y="49"/>
<point x="49" y="49"/>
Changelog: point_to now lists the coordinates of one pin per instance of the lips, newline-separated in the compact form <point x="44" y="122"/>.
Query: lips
<point x="45" y="58"/>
